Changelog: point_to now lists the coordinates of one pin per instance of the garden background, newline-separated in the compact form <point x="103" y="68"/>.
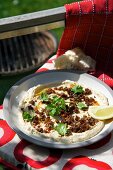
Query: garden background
<point x="10" y="8"/>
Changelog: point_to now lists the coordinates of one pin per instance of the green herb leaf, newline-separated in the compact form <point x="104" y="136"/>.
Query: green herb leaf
<point x="61" y="128"/>
<point x="77" y="89"/>
<point x="27" y="116"/>
<point x="81" y="105"/>
<point x="60" y="102"/>
<point x="53" y="111"/>
<point x="57" y="104"/>
<point x="44" y="96"/>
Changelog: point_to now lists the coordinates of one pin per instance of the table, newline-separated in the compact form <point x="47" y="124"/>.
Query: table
<point x="17" y="153"/>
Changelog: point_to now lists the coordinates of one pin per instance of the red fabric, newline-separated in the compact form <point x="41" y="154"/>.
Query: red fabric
<point x="89" y="25"/>
<point x="1" y="107"/>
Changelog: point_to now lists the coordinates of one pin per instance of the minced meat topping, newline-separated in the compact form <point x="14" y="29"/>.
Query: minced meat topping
<point x="61" y="109"/>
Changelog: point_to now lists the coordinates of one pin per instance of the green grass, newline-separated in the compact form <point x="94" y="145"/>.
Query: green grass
<point x="17" y="7"/>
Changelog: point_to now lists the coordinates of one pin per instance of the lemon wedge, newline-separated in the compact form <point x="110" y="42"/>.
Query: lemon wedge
<point x="101" y="112"/>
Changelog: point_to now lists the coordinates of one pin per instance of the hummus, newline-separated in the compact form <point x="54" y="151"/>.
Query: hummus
<point x="60" y="112"/>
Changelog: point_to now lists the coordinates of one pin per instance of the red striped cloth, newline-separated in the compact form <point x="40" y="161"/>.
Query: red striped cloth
<point x="89" y="25"/>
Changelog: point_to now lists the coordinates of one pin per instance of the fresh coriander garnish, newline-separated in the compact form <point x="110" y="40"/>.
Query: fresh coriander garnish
<point x="81" y="105"/>
<point x="54" y="111"/>
<point x="44" y="96"/>
<point x="57" y="104"/>
<point x="61" y="128"/>
<point x="27" y="116"/>
<point x="77" y="89"/>
<point x="60" y="102"/>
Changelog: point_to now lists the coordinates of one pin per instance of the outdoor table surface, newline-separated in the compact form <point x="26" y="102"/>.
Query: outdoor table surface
<point x="17" y="153"/>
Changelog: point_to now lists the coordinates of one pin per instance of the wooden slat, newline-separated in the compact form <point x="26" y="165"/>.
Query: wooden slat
<point x="32" y="22"/>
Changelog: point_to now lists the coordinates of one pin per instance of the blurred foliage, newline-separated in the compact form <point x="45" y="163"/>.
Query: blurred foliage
<point x="17" y="7"/>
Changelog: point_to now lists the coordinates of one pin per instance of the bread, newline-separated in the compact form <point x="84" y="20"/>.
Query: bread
<point x="75" y="59"/>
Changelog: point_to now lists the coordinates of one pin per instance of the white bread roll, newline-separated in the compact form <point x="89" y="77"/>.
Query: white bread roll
<point x="75" y="59"/>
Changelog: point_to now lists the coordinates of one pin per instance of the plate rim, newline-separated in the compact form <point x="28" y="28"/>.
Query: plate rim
<point x="52" y="144"/>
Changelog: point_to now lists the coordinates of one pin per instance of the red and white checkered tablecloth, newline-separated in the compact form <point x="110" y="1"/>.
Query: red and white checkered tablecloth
<point x="89" y="25"/>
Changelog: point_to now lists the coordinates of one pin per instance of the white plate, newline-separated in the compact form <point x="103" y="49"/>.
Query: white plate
<point x="11" y="101"/>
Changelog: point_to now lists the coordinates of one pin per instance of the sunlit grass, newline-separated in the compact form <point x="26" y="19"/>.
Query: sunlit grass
<point x="17" y="7"/>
